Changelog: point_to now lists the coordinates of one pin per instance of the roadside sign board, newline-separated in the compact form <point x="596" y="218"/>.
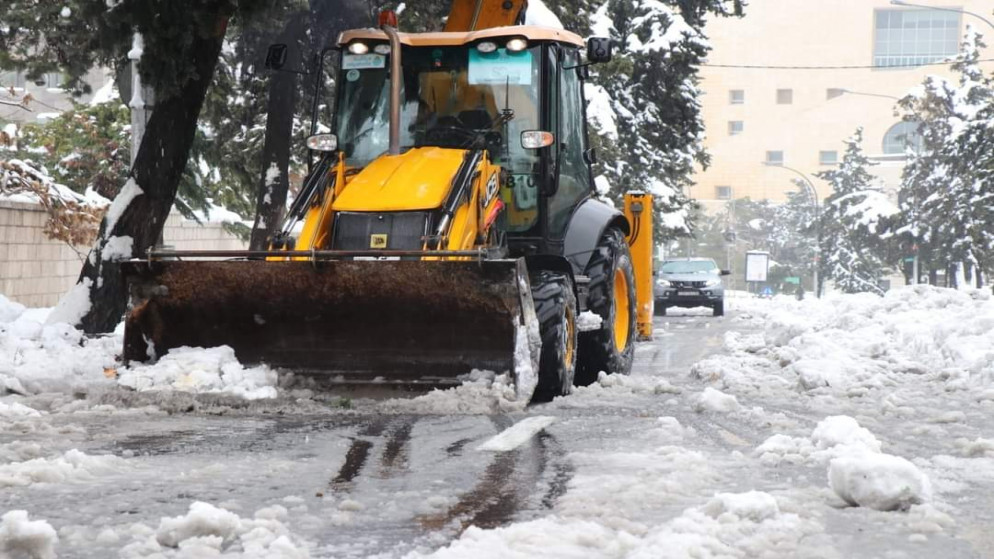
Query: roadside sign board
<point x="792" y="279"/>
<point x="757" y="266"/>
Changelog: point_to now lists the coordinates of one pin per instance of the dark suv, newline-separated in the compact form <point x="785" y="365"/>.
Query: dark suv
<point x="690" y="282"/>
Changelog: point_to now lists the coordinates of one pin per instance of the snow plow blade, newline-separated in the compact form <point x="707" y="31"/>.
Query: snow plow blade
<point x="403" y="321"/>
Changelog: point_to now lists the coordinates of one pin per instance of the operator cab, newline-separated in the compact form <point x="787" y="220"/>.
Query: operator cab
<point x="514" y="91"/>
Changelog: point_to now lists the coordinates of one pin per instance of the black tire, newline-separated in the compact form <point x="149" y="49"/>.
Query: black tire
<point x="718" y="309"/>
<point x="598" y="349"/>
<point x="555" y="307"/>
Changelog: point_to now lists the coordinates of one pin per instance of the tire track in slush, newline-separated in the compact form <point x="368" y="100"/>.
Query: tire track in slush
<point x="394" y="454"/>
<point x="507" y="483"/>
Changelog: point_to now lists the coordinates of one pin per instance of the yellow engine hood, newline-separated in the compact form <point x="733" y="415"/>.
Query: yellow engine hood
<point x="418" y="179"/>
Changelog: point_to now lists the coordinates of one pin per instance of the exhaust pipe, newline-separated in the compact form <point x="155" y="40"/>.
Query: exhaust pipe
<point x="395" y="80"/>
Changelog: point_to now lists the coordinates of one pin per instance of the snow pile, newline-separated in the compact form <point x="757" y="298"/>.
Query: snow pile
<point x="17" y="410"/>
<point x="208" y="531"/>
<point x="37" y="357"/>
<point x="729" y="525"/>
<point x="20" y="537"/>
<point x="71" y="466"/>
<point x="833" y="437"/>
<point x="199" y="370"/>
<point x="858" y="472"/>
<point x="518" y="434"/>
<point x="855" y="344"/>
<point x="481" y="392"/>
<point x="878" y="481"/>
<point x="616" y="390"/>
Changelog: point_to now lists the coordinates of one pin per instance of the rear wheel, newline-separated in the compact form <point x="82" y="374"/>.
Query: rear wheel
<point x="555" y="307"/>
<point x="612" y="297"/>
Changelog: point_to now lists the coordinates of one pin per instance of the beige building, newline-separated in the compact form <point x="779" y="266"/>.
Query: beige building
<point x="47" y="96"/>
<point x="866" y="53"/>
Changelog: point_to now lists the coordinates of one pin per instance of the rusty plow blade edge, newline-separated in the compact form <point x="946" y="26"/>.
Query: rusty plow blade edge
<point x="395" y="321"/>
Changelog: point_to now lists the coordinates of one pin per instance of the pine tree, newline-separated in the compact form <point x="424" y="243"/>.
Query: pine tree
<point x="851" y="222"/>
<point x="946" y="199"/>
<point x="653" y="88"/>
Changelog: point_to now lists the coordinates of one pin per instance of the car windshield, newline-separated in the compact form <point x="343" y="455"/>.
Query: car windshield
<point x="689" y="267"/>
<point x="450" y="95"/>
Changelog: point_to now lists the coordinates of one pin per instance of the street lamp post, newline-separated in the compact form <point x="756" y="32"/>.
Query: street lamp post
<point x="814" y="199"/>
<point x="958" y="10"/>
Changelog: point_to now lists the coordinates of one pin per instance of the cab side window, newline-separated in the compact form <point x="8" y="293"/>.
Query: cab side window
<point x="574" y="177"/>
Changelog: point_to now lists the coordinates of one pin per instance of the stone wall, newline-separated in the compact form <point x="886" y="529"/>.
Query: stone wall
<point x="35" y="271"/>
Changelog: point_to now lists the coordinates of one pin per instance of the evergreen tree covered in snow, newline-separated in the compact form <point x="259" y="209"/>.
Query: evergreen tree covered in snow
<point x="653" y="90"/>
<point x="851" y="222"/>
<point x="947" y="192"/>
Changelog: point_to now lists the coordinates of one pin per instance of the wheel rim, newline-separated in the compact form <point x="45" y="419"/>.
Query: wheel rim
<point x="621" y="310"/>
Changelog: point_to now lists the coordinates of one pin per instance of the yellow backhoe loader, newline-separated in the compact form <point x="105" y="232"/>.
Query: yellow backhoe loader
<point x="448" y="223"/>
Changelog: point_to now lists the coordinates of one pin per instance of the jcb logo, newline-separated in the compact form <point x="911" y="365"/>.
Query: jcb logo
<point x="378" y="241"/>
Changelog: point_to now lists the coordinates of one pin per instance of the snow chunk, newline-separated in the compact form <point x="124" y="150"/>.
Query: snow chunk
<point x="71" y="466"/>
<point x="66" y="12"/>
<point x="202" y="520"/>
<point x="9" y="310"/>
<point x="20" y="537"/>
<point x="16" y="410"/>
<point x="589" y="321"/>
<point x="199" y="370"/>
<point x="878" y="481"/>
<point x="716" y="401"/>
<point x="74" y="304"/>
<point x="117" y="248"/>
<point x="517" y="434"/>
<point x="207" y="531"/>
<point x="754" y="505"/>
<point x="842" y="430"/>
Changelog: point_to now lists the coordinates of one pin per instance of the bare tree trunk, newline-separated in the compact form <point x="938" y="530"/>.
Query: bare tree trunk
<point x="271" y="200"/>
<point x="140" y="211"/>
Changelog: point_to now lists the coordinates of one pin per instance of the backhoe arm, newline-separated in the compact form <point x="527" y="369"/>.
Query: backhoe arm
<point x="473" y="15"/>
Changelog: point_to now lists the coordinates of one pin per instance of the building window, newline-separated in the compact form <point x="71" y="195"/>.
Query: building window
<point x="785" y="96"/>
<point x="54" y="79"/>
<point x="833" y="92"/>
<point x="828" y="157"/>
<point x="774" y="158"/>
<point x="902" y="136"/>
<point x="736" y="96"/>
<point x="723" y="192"/>
<point x="914" y="37"/>
<point x="735" y="127"/>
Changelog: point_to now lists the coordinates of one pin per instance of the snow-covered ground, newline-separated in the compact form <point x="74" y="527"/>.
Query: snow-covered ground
<point x="852" y="426"/>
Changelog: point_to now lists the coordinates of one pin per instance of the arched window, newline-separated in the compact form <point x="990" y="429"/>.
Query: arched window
<point x="901" y="136"/>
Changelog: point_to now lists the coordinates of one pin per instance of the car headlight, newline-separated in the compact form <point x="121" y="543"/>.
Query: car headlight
<point x="662" y="283"/>
<point x="712" y="282"/>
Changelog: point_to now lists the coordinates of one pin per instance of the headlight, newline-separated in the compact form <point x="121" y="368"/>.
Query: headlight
<point x="712" y="282"/>
<point x="662" y="283"/>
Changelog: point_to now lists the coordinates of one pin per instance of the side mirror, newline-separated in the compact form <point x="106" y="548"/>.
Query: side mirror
<point x="535" y="139"/>
<point x="276" y="56"/>
<point x="726" y="273"/>
<point x="598" y="49"/>
<point x="590" y="156"/>
<point x="323" y="142"/>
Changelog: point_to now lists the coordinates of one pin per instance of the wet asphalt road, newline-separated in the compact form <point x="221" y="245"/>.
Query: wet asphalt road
<point x="364" y="484"/>
<point x="370" y="483"/>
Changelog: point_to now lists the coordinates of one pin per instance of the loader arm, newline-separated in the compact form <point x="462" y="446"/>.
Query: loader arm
<point x="473" y="15"/>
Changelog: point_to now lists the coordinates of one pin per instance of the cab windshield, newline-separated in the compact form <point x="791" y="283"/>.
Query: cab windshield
<point x="689" y="267"/>
<point x="450" y="95"/>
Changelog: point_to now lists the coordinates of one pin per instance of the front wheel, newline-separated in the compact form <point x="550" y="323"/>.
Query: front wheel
<point x="555" y="307"/>
<point x="611" y="296"/>
<point x="718" y="309"/>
